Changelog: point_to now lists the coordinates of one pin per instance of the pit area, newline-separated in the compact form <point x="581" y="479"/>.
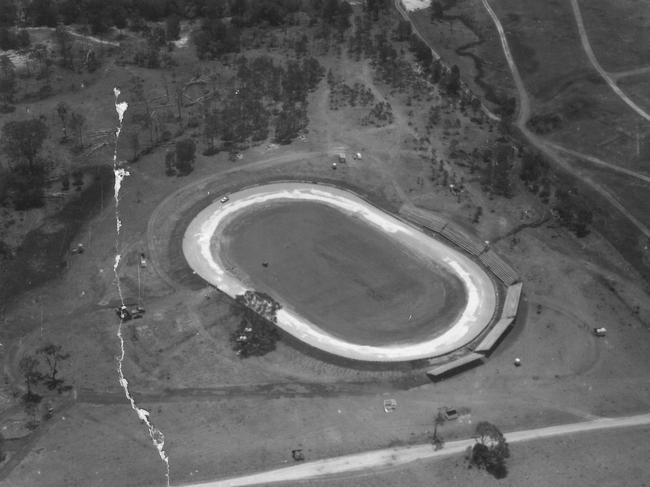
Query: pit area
<point x="352" y="279"/>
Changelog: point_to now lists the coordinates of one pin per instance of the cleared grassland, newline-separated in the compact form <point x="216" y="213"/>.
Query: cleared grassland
<point x="610" y="458"/>
<point x="618" y="32"/>
<point x="342" y="274"/>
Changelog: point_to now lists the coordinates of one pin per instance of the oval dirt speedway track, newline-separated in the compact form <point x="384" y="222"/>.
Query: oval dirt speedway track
<point x="352" y="280"/>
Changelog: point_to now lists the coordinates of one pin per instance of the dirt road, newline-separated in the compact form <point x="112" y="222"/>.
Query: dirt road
<point x="393" y="457"/>
<point x="594" y="62"/>
<point x="544" y="146"/>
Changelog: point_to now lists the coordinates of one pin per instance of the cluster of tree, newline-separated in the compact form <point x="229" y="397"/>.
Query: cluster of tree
<point x="254" y="336"/>
<point x="437" y="11"/>
<point x="13" y="38"/>
<point x="101" y="15"/>
<point x="22" y="141"/>
<point x="497" y="175"/>
<point x="74" y="121"/>
<point x="342" y="94"/>
<point x="180" y="161"/>
<point x="290" y="122"/>
<point x="490" y="451"/>
<point x="256" y="333"/>
<point x="534" y="168"/>
<point x="69" y="57"/>
<point x="336" y="12"/>
<point x="545" y="123"/>
<point x="248" y="13"/>
<point x="451" y="81"/>
<point x="380" y="115"/>
<point x="265" y="94"/>
<point x="360" y="42"/>
<point x="573" y="211"/>
<point x="403" y="30"/>
<point x="7" y="83"/>
<point x="373" y="8"/>
<point x="33" y="375"/>
<point x="422" y="52"/>
<point x="391" y="67"/>
<point x="215" y="38"/>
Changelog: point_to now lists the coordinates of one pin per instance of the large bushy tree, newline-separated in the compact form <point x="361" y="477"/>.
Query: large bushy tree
<point x="490" y="451"/>
<point x="53" y="356"/>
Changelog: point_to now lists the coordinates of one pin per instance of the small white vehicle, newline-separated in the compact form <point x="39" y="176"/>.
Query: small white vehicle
<point x="600" y="332"/>
<point x="225" y="199"/>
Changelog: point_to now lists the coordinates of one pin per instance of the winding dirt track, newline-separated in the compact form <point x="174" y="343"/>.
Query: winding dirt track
<point x="394" y="457"/>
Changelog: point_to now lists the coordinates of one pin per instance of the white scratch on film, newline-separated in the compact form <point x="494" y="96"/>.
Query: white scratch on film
<point x="157" y="438"/>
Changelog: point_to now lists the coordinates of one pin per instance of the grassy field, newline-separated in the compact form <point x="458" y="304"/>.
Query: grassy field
<point x="595" y="459"/>
<point x="342" y="274"/>
<point x="618" y="32"/>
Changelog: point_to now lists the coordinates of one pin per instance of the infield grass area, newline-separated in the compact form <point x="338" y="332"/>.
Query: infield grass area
<point x="341" y="273"/>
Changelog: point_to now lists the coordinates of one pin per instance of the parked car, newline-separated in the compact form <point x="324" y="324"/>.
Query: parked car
<point x="225" y="199"/>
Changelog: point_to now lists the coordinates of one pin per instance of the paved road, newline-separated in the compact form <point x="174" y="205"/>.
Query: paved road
<point x="392" y="457"/>
<point x="592" y="58"/>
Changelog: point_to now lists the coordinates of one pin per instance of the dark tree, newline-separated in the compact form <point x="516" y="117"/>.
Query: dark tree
<point x="7" y="80"/>
<point x="437" y="440"/>
<point x="173" y="27"/>
<point x="436" y="71"/>
<point x="133" y="141"/>
<point x="497" y="177"/>
<point x="292" y="119"/>
<point x="403" y="30"/>
<point x="63" y="111"/>
<point x="452" y="81"/>
<point x="23" y="140"/>
<point x="185" y="153"/>
<point x="437" y="11"/>
<point x="28" y="367"/>
<point x="211" y="128"/>
<point x="42" y="12"/>
<point x="78" y="126"/>
<point x="256" y="334"/>
<point x="533" y="166"/>
<point x="53" y="355"/>
<point x="8" y="13"/>
<point x="573" y="211"/>
<point x="490" y="451"/>
<point x="64" y="42"/>
<point x="215" y="38"/>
